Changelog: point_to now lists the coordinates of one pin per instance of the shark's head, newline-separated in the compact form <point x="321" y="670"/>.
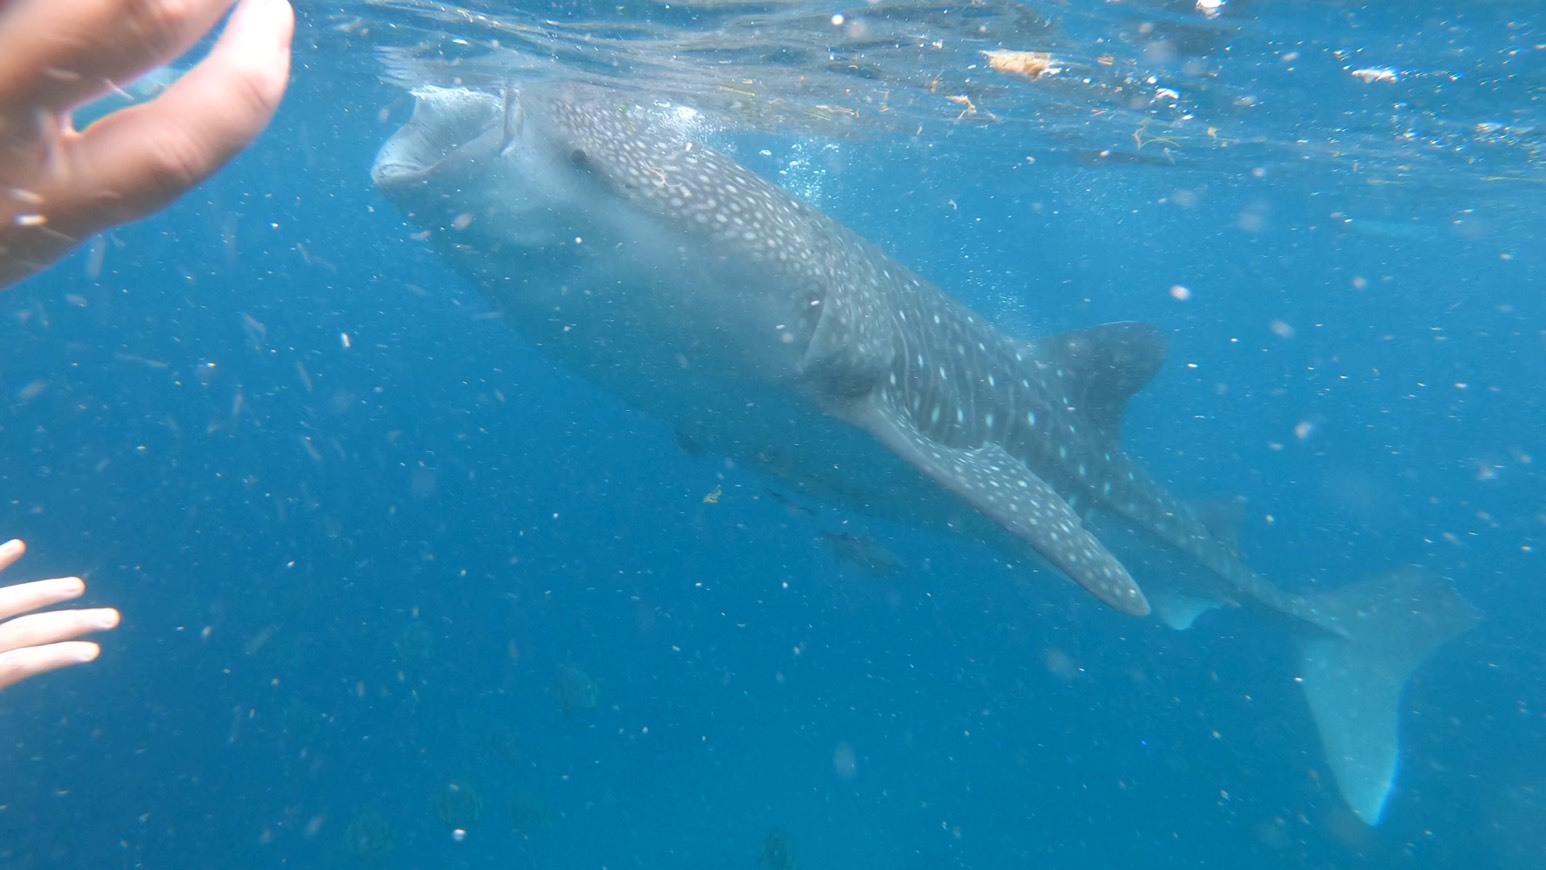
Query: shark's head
<point x="556" y="195"/>
<point x="472" y="164"/>
<point x="577" y="209"/>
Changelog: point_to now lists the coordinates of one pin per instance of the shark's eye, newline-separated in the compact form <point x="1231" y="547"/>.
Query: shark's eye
<point x="577" y="157"/>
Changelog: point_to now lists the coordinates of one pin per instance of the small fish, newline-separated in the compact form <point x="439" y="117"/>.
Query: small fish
<point x="788" y="503"/>
<point x="864" y="551"/>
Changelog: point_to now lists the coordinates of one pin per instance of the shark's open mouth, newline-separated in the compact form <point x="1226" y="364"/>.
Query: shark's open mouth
<point x="448" y="124"/>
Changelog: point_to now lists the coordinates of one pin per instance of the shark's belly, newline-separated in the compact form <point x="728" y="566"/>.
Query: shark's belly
<point x="634" y="325"/>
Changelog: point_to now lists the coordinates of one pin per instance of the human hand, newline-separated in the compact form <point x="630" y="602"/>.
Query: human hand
<point x="59" y="185"/>
<point x="42" y="642"/>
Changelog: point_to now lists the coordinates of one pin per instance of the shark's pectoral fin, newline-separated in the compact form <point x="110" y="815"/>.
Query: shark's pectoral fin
<point x="1389" y="624"/>
<point x="1004" y="490"/>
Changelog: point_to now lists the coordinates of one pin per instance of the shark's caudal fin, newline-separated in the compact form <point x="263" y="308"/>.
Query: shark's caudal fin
<point x="1388" y="625"/>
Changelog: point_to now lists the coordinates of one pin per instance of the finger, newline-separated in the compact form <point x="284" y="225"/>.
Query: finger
<point x="19" y="664"/>
<point x="56" y="55"/>
<point x="26" y="597"/>
<point x="138" y="159"/>
<point x="38" y="629"/>
<point x="10" y="551"/>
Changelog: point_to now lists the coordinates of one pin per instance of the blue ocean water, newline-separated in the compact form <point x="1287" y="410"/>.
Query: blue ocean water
<point x="388" y="574"/>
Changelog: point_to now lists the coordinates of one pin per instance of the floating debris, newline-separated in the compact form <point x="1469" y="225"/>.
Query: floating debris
<point x="1029" y="64"/>
<point x="1374" y="74"/>
<point x="713" y="497"/>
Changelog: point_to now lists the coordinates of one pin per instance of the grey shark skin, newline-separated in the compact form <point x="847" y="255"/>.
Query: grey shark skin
<point x="761" y="329"/>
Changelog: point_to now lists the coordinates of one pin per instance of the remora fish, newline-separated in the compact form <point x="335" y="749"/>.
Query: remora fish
<point x="764" y="330"/>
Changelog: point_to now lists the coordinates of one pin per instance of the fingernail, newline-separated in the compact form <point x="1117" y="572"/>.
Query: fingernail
<point x="13" y="547"/>
<point x="108" y="620"/>
<point x="87" y="652"/>
<point x="73" y="587"/>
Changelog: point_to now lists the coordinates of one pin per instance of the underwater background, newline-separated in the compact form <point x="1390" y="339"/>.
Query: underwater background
<point x="388" y="575"/>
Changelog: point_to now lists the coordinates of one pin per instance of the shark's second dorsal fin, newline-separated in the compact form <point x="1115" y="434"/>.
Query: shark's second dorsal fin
<point x="1102" y="367"/>
<point x="1223" y="518"/>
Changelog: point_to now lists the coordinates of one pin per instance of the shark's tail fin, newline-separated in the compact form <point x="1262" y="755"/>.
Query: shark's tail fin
<point x="1377" y="632"/>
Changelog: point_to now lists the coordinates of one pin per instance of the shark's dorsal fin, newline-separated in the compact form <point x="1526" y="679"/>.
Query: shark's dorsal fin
<point x="1003" y="489"/>
<point x="1224" y="518"/>
<point x="1102" y="367"/>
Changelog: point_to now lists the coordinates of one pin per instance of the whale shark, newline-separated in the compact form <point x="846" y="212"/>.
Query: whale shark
<point x="697" y="291"/>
